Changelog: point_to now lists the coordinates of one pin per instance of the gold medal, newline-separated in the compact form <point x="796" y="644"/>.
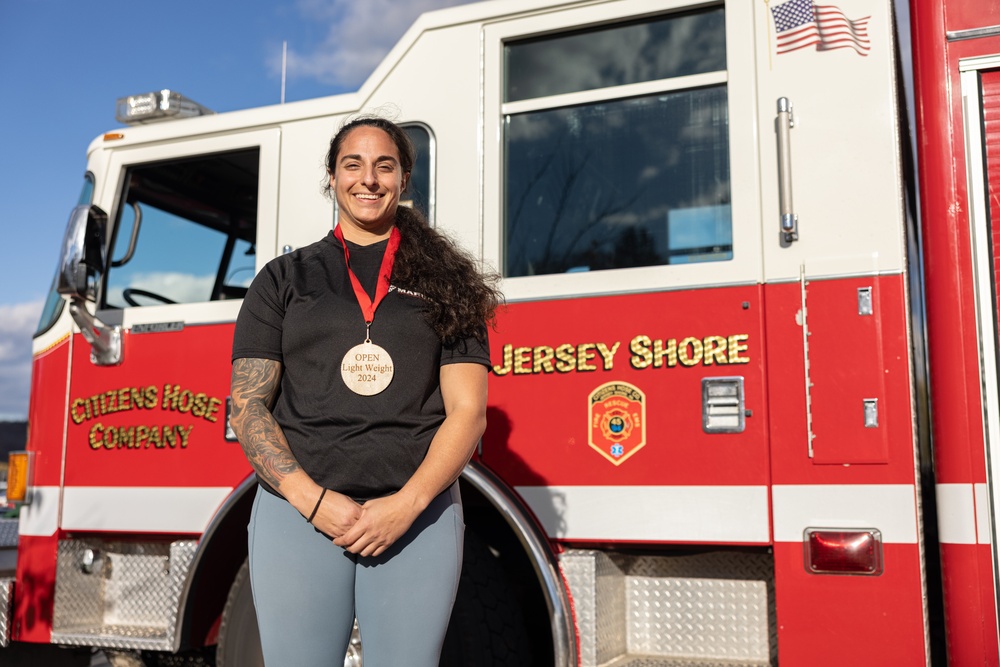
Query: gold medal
<point x="366" y="369"/>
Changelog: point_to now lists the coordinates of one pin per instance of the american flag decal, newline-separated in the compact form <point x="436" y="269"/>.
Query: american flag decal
<point x="800" y="24"/>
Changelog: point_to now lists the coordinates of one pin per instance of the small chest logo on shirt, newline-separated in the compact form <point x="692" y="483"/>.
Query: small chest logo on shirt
<point x="393" y="288"/>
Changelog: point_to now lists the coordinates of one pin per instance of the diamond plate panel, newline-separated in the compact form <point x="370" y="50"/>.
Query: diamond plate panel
<point x="653" y="661"/>
<point x="128" y="599"/>
<point x="579" y="571"/>
<point x="610" y="633"/>
<point x="6" y="597"/>
<point x="712" y="618"/>
<point x="681" y="610"/>
<point x="711" y="565"/>
<point x="722" y="565"/>
<point x="598" y="589"/>
<point x="8" y="533"/>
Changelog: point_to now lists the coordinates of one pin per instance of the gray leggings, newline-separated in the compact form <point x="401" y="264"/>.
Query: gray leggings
<point x="307" y="590"/>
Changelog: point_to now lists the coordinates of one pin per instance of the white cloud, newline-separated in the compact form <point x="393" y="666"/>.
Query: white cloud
<point x="360" y="35"/>
<point x="17" y="324"/>
<point x="175" y="286"/>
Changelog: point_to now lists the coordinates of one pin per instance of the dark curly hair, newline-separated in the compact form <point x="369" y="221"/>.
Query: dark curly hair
<point x="461" y="299"/>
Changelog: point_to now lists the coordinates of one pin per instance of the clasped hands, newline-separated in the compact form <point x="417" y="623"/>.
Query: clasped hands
<point x="366" y="529"/>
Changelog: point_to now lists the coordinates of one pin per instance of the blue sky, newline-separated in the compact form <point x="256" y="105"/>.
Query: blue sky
<point x="63" y="63"/>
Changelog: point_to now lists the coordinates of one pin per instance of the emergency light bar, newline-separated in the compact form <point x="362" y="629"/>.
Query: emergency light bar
<point x="156" y="106"/>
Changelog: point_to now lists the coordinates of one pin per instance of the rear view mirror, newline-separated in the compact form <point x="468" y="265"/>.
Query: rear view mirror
<point x="81" y="258"/>
<point x="81" y="261"/>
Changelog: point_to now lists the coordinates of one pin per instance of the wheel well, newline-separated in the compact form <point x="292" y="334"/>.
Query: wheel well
<point x="492" y="511"/>
<point x="221" y="552"/>
<point x="497" y="516"/>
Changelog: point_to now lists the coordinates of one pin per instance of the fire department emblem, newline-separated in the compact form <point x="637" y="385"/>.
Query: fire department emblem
<point x="617" y="416"/>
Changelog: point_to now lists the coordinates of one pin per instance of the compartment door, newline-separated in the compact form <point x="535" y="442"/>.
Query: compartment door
<point x="981" y="99"/>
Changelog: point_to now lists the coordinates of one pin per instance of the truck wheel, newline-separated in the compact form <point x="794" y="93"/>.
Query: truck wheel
<point x="239" y="638"/>
<point x="487" y="627"/>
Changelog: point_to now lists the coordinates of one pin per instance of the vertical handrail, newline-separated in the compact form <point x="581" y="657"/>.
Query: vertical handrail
<point x="784" y="124"/>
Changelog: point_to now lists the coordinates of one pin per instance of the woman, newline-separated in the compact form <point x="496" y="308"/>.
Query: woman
<point x="359" y="393"/>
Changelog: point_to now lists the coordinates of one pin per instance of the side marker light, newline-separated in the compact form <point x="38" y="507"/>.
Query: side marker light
<point x="18" y="477"/>
<point x="834" y="551"/>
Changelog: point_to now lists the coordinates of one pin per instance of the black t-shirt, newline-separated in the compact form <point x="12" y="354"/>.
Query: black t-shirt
<point x="301" y="310"/>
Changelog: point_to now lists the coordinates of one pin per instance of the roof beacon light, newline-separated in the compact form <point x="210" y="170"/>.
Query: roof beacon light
<point x="156" y="106"/>
<point x="850" y="551"/>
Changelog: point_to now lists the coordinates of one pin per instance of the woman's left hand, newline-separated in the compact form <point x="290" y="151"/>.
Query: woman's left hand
<point x="382" y="522"/>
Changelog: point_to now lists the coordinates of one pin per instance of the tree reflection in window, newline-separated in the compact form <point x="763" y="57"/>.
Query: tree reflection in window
<point x="618" y="184"/>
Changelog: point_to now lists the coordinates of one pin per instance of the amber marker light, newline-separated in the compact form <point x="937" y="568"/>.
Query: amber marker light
<point x="18" y="475"/>
<point x="833" y="551"/>
<point x="113" y="136"/>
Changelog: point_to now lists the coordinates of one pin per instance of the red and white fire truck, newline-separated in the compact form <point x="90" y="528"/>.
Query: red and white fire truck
<point x="742" y="406"/>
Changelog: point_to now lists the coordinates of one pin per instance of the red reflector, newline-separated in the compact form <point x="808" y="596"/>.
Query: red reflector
<point x="843" y="551"/>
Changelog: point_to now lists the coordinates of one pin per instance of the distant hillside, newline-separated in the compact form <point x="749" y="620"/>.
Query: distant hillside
<point x="12" y="437"/>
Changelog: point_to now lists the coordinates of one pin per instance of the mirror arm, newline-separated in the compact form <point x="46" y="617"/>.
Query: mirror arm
<point x="105" y="341"/>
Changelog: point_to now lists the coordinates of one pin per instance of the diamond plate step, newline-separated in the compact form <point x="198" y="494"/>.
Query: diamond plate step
<point x="680" y="609"/>
<point x="659" y="661"/>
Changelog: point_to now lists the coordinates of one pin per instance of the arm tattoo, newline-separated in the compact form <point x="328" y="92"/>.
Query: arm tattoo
<point x="254" y="387"/>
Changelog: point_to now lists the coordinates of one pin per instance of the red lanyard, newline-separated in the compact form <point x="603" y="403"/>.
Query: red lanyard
<point x="368" y="307"/>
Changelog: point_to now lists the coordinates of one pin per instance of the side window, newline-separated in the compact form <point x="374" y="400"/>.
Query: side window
<point x="186" y="231"/>
<point x="419" y="192"/>
<point x="637" y="177"/>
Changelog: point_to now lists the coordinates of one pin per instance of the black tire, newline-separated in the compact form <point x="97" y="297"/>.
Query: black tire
<point x="25" y="654"/>
<point x="487" y="628"/>
<point x="239" y="638"/>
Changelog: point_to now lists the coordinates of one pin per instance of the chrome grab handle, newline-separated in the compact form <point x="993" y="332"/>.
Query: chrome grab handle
<point x="784" y="124"/>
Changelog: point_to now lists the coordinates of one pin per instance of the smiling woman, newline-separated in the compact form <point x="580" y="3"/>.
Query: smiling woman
<point x="358" y="395"/>
<point x="367" y="179"/>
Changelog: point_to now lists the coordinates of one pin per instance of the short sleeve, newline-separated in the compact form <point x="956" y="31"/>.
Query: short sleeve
<point x="468" y="350"/>
<point x="259" y="324"/>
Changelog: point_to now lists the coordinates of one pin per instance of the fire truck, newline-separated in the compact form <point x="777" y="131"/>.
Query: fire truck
<point x="744" y="389"/>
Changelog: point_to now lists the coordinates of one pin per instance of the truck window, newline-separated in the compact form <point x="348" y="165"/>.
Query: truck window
<point x="418" y="193"/>
<point x="638" y="177"/>
<point x="186" y="231"/>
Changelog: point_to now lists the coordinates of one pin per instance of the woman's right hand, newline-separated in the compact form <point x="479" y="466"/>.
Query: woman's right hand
<point x="336" y="514"/>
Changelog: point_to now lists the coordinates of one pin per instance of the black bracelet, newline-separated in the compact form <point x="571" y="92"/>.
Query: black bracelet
<point x="316" y="509"/>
